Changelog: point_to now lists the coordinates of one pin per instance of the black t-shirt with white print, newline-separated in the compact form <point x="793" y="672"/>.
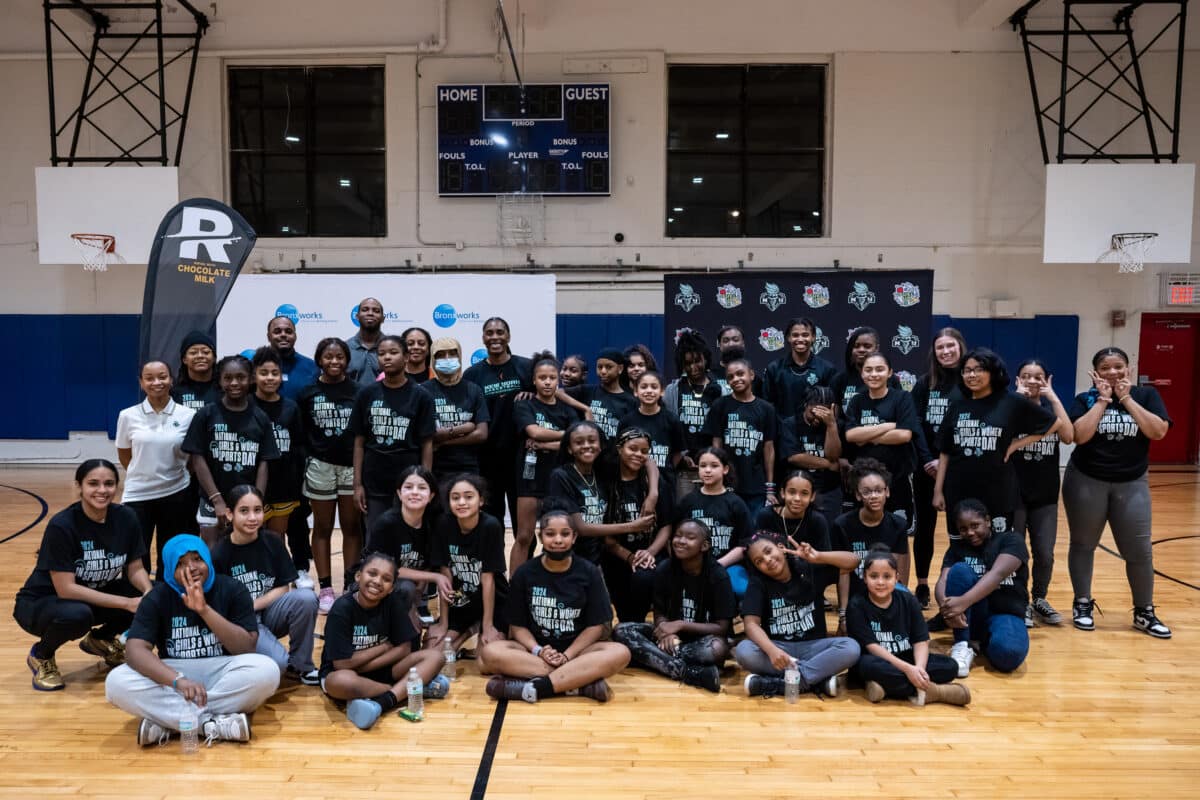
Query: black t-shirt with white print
<point x="287" y="472"/>
<point x="788" y="611"/>
<point x="628" y="507"/>
<point x="798" y="437"/>
<point x="850" y="533"/>
<point x="326" y="409"/>
<point x="456" y="405"/>
<point x="553" y="417"/>
<point x="896" y="628"/>
<point x="1012" y="595"/>
<point x="608" y="408"/>
<point x="469" y="555"/>
<point x="176" y="631"/>
<point x="896" y="406"/>
<point x="260" y="565"/>
<point x="704" y="598"/>
<point x="975" y="434"/>
<point x="931" y="405"/>
<point x="1118" y="451"/>
<point x="812" y="528"/>
<point x="394" y="423"/>
<point x="558" y="606"/>
<point x="726" y="516"/>
<point x="1037" y="468"/>
<point x="350" y="628"/>
<point x="97" y="553"/>
<point x="233" y="443"/>
<point x="195" y="395"/>
<point x="389" y="533"/>
<point x="743" y="428"/>
<point x="848" y="384"/>
<point x="666" y="436"/>
<point x="581" y="496"/>
<point x="500" y="384"/>
<point x="692" y="409"/>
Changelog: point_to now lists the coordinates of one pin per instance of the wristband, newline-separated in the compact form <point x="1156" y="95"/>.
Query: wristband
<point x="537" y="650"/>
<point x="174" y="683"/>
<point x="841" y="613"/>
<point x="214" y="494"/>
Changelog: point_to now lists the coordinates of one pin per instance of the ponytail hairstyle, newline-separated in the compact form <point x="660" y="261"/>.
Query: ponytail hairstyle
<point x="969" y="505"/>
<point x="543" y="357"/>
<point x="241" y="490"/>
<point x="862" y="467"/>
<point x="507" y="329"/>
<point x="238" y="361"/>
<point x="83" y="469"/>
<point x="555" y="506"/>
<point x="708" y="562"/>
<point x="1105" y="352"/>
<point x="779" y="541"/>
<point x="880" y="552"/>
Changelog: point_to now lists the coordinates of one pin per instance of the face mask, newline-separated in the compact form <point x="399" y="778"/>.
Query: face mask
<point x="446" y="366"/>
<point x="562" y="556"/>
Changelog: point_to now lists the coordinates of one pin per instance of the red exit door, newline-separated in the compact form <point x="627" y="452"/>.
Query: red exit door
<point x="1168" y="360"/>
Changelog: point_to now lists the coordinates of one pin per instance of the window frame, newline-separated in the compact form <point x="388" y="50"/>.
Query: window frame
<point x="794" y="60"/>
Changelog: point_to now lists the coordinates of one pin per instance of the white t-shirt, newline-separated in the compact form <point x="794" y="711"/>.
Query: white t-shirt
<point x="159" y="465"/>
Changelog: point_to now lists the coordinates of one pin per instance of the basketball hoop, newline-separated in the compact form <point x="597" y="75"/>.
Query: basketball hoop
<point x="1130" y="250"/>
<point x="96" y="250"/>
<point x="520" y="219"/>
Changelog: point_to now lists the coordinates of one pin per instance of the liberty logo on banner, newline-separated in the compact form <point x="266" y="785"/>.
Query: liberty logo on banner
<point x="907" y="380"/>
<point x="772" y="298"/>
<point x="906" y="294"/>
<point x="816" y="295"/>
<point x="905" y="340"/>
<point x="729" y="296"/>
<point x="680" y="332"/>
<point x="770" y="339"/>
<point x="820" y="342"/>
<point x="214" y="240"/>
<point x="686" y="298"/>
<point x="861" y="297"/>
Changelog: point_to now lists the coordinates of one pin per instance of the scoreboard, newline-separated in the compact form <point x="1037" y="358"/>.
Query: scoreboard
<point x="498" y="138"/>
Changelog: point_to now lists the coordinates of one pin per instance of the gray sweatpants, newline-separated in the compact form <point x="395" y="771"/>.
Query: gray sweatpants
<point x="294" y="615"/>
<point x="1125" y="507"/>
<point x="234" y="684"/>
<point x="818" y="659"/>
<point x="1042" y="524"/>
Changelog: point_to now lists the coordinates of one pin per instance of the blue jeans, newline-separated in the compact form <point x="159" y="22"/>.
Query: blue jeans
<point x="1003" y="636"/>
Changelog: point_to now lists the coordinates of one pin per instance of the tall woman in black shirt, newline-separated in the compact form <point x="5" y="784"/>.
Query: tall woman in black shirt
<point x="1107" y="481"/>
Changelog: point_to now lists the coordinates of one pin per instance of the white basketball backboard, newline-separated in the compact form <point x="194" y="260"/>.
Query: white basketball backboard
<point x="125" y="202"/>
<point x="1087" y="203"/>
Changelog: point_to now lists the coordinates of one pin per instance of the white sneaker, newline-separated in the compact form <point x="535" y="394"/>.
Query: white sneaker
<point x="152" y="733"/>
<point x="227" y="728"/>
<point x="964" y="656"/>
<point x="304" y="581"/>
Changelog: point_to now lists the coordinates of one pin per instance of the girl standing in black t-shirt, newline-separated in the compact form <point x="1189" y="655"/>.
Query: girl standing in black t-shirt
<point x="862" y="342"/>
<point x="541" y="421"/>
<point x="1037" y="476"/>
<point x="931" y="397"/>
<point x="88" y="579"/>
<point x="369" y="647"/>
<point x="1107" y="481"/>
<point x="574" y="371"/>
<point x="811" y="441"/>
<point x="638" y="359"/>
<point x="869" y="525"/>
<point x="894" y="638"/>
<point x="666" y="434"/>
<point x="287" y="473"/>
<point x="690" y="399"/>
<point x="715" y="505"/>
<point x="694" y="608"/>
<point x="326" y="406"/>
<point x="559" y="610"/>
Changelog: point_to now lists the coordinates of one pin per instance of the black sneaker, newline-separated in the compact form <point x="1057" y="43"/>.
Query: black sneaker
<point x="1145" y="620"/>
<point x="705" y="677"/>
<point x="936" y="623"/>
<point x="763" y="686"/>
<point x="501" y="687"/>
<point x="922" y="594"/>
<point x="1083" y="613"/>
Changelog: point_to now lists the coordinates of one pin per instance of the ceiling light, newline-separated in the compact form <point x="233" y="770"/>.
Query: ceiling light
<point x="735" y="213"/>
<point x="292" y="139"/>
<point x="722" y="135"/>
<point x="697" y="179"/>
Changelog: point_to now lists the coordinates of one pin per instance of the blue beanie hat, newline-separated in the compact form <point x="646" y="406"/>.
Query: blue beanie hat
<point x="178" y="547"/>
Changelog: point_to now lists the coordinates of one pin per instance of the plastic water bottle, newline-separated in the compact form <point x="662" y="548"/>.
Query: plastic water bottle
<point x="450" y="668"/>
<point x="791" y="683"/>
<point x="189" y="729"/>
<point x="530" y="470"/>
<point x="416" y="694"/>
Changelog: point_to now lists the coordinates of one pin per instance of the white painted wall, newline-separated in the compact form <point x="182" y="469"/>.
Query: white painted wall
<point x="934" y="158"/>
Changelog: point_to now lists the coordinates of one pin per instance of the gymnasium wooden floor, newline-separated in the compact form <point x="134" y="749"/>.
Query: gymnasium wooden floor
<point x="1111" y="714"/>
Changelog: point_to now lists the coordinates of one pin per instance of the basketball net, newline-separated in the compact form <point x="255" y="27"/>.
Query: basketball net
<point x="1130" y="250"/>
<point x="520" y="219"/>
<point x="95" y="250"/>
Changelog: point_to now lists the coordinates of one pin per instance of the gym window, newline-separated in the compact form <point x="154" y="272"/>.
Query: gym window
<point x="307" y="149"/>
<point x="746" y="150"/>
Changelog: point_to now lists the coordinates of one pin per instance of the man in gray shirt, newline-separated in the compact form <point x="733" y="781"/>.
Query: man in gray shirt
<point x="364" y="363"/>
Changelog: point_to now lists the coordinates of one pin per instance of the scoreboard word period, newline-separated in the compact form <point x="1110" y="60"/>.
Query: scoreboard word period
<point x="500" y="138"/>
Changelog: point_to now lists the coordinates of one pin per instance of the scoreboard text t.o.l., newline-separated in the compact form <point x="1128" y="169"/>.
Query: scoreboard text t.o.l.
<point x="498" y="138"/>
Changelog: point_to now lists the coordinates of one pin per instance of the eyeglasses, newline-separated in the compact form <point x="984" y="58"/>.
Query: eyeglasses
<point x="973" y="370"/>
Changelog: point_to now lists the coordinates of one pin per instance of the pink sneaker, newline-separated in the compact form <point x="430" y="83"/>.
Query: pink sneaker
<point x="325" y="600"/>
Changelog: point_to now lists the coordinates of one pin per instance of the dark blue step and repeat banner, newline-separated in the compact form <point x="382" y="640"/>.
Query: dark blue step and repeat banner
<point x="898" y="304"/>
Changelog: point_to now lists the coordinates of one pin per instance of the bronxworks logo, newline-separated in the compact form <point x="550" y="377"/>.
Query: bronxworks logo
<point x="205" y="228"/>
<point x="445" y="315"/>
<point x="388" y="316"/>
<point x="295" y="315"/>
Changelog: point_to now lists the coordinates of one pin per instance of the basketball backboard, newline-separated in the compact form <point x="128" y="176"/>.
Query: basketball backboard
<point x="1087" y="203"/>
<point x="126" y="202"/>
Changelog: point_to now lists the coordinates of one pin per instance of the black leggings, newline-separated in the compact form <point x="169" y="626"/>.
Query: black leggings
<point x="941" y="669"/>
<point x="169" y="516"/>
<point x="297" y="535"/>
<point x="639" y="638"/>
<point x="58" y="621"/>
<point x="925" y="523"/>
<point x="631" y="590"/>
<point x="496" y="467"/>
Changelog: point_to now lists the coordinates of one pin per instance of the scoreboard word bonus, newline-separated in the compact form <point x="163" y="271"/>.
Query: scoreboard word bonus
<point x="499" y="138"/>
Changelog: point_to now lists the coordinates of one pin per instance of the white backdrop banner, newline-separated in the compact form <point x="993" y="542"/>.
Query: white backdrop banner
<point x="445" y="305"/>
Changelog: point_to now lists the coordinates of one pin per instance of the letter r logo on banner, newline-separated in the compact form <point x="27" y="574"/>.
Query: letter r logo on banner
<point x="214" y="239"/>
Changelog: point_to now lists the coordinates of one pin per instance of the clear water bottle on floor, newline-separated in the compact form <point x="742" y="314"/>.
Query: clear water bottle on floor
<point x="530" y="470"/>
<point x="416" y="694"/>
<point x="189" y="729"/>
<point x="450" y="668"/>
<point x="791" y="683"/>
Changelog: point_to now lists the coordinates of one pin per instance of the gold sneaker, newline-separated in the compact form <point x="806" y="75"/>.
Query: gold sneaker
<point x="111" y="650"/>
<point x="46" y="677"/>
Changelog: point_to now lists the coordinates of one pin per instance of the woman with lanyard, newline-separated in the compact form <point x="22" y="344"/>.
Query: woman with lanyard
<point x="158" y="487"/>
<point x="1107" y="481"/>
<point x="502" y="376"/>
<point x="690" y="398"/>
<point x="931" y="396"/>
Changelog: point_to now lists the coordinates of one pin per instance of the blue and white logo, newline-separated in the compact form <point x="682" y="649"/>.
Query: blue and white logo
<point x="478" y="355"/>
<point x="445" y="315"/>
<point x="388" y="316"/>
<point x="288" y="310"/>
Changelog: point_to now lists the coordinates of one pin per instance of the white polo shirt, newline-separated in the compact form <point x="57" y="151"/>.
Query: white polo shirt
<point x="159" y="465"/>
